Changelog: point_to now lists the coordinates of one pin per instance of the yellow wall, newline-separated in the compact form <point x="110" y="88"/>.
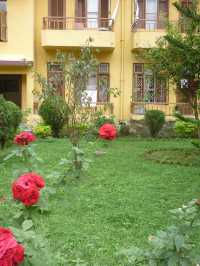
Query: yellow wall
<point x="23" y="39"/>
<point x="20" y="45"/>
<point x="20" y="23"/>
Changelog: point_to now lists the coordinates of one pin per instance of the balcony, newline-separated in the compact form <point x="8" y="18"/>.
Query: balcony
<point x="74" y="32"/>
<point x="146" y="33"/>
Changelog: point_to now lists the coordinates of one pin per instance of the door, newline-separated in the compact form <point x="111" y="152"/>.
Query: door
<point x="57" y="13"/>
<point x="104" y="14"/>
<point x="10" y="88"/>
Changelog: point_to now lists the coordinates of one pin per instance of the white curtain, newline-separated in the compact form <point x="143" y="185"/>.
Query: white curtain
<point x="92" y="13"/>
<point x="92" y="89"/>
<point x="151" y="14"/>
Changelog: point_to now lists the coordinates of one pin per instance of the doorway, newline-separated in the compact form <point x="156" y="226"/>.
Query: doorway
<point x="10" y="88"/>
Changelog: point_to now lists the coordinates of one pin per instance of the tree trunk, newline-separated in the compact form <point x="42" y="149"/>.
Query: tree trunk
<point x="196" y="115"/>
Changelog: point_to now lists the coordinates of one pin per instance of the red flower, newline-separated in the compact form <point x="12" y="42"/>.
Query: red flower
<point x="33" y="178"/>
<point x="11" y="253"/>
<point x="30" y="196"/>
<point x="26" y="188"/>
<point x="107" y="131"/>
<point x="24" y="138"/>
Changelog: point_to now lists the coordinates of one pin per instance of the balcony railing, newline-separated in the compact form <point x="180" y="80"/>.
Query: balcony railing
<point x="159" y="24"/>
<point x="139" y="108"/>
<point x="78" y="23"/>
<point x="148" y="24"/>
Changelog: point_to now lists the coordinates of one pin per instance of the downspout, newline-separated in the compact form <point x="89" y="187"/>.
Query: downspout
<point x="122" y="51"/>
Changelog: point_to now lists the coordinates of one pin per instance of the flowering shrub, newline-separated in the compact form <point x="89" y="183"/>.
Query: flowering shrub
<point x="26" y="188"/>
<point x="108" y="132"/>
<point x="42" y="131"/>
<point x="24" y="138"/>
<point x="11" y="253"/>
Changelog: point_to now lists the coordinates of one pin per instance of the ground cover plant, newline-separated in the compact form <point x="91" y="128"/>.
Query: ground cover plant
<point x="123" y="199"/>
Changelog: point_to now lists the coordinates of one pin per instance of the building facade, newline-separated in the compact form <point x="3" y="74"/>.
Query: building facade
<point x="31" y="32"/>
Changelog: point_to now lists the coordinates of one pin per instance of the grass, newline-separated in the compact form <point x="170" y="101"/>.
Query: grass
<point x="122" y="200"/>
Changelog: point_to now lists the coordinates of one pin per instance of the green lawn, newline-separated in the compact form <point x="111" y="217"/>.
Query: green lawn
<point x="122" y="200"/>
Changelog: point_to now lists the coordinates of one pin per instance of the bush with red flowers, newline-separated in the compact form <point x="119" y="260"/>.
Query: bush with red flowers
<point x="107" y="132"/>
<point x="11" y="253"/>
<point x="24" y="138"/>
<point x="27" y="188"/>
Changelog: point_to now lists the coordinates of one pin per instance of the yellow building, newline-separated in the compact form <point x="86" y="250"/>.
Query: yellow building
<point x="31" y="31"/>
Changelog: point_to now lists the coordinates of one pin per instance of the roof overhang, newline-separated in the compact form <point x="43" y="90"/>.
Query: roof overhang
<point x="15" y="60"/>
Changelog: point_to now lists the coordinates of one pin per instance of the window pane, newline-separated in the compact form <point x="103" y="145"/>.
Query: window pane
<point x="103" y="88"/>
<point x="104" y="68"/>
<point x="151" y="14"/>
<point x="3" y="6"/>
<point x="92" y="5"/>
<point x="92" y="89"/>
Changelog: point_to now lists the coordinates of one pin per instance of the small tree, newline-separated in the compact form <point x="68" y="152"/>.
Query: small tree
<point x="154" y="119"/>
<point x="178" y="55"/>
<point x="76" y="74"/>
<point x="54" y="112"/>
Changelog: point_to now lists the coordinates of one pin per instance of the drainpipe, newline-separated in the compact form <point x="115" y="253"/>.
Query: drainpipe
<point x="122" y="52"/>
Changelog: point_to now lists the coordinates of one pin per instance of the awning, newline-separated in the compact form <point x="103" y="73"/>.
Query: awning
<point x="15" y="60"/>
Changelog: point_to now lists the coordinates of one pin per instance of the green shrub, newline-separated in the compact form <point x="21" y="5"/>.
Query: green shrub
<point x="42" y="131"/>
<point x="54" y="111"/>
<point x="81" y="128"/>
<point x="10" y="118"/>
<point x="185" y="129"/>
<point x="124" y="128"/>
<point x="101" y="119"/>
<point x="154" y="120"/>
<point x="174" y="246"/>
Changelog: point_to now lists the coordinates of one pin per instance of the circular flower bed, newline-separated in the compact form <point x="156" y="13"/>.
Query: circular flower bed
<point x="24" y="138"/>
<point x="11" y="253"/>
<point x="107" y="132"/>
<point x="26" y="188"/>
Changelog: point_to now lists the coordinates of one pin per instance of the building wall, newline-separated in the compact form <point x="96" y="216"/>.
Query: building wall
<point x="25" y="38"/>
<point x="20" y="45"/>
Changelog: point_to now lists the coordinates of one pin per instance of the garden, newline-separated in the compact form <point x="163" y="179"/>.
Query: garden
<point x="77" y="187"/>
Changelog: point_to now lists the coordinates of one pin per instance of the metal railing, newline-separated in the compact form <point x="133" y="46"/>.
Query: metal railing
<point x="139" y="108"/>
<point x="159" y="24"/>
<point x="78" y="23"/>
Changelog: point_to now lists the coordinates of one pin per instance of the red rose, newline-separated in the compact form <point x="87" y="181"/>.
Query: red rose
<point x="33" y="178"/>
<point x="107" y="131"/>
<point x="26" y="188"/>
<point x="30" y="196"/>
<point x="11" y="253"/>
<point x="19" y="254"/>
<point x="24" y="138"/>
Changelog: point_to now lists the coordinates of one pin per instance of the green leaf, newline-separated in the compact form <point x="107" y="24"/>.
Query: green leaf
<point x="27" y="224"/>
<point x="179" y="242"/>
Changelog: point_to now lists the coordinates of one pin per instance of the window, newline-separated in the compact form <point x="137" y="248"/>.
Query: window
<point x="3" y="20"/>
<point x="151" y="14"/>
<point x="57" y="11"/>
<point x="98" y="85"/>
<point x="55" y="77"/>
<point x="185" y="3"/>
<point x="148" y="87"/>
<point x="92" y="13"/>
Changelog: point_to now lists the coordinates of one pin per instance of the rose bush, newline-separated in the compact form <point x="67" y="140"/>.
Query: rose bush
<point x="26" y="188"/>
<point x="11" y="253"/>
<point x="108" y="132"/>
<point x="24" y="138"/>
